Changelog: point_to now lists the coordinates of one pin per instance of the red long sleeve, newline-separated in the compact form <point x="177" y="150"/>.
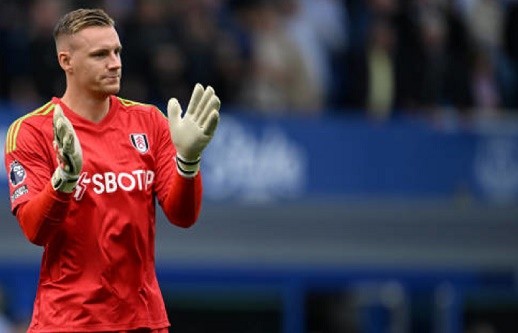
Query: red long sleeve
<point x="183" y="202"/>
<point x="40" y="216"/>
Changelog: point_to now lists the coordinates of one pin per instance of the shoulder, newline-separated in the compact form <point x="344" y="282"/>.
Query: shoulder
<point x="145" y="115"/>
<point x="138" y="107"/>
<point x="35" y="121"/>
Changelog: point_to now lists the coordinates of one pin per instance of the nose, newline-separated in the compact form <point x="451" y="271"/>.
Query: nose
<point x="114" y="61"/>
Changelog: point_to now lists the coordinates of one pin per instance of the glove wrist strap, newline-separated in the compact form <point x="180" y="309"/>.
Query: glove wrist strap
<point x="63" y="181"/>
<point x="187" y="168"/>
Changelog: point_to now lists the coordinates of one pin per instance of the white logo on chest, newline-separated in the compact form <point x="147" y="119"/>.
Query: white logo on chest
<point x="140" y="142"/>
<point x="110" y="182"/>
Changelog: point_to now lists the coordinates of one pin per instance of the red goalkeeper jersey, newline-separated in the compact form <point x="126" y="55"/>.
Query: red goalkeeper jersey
<point x="98" y="266"/>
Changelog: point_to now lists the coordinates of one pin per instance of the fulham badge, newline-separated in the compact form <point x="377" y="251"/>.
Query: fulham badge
<point x="139" y="141"/>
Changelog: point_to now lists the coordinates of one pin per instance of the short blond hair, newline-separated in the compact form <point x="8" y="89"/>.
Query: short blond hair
<point x="80" y="19"/>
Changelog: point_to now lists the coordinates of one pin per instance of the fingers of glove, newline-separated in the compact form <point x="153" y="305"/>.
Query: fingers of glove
<point x="67" y="135"/>
<point x="65" y="159"/>
<point x="66" y="144"/>
<point x="68" y="141"/>
<point x="69" y="144"/>
<point x="58" y="113"/>
<point x="210" y="124"/>
<point x="63" y="129"/>
<point x="69" y="164"/>
<point x="213" y="104"/>
<point x="67" y="153"/>
<point x="207" y="96"/>
<point x="59" y="154"/>
<point x="196" y="96"/>
<point x="174" y="110"/>
<point x="57" y="122"/>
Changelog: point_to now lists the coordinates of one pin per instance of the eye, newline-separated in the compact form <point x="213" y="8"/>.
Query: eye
<point x="99" y="54"/>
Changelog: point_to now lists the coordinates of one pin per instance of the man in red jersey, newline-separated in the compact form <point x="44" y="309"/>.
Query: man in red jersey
<point x="85" y="171"/>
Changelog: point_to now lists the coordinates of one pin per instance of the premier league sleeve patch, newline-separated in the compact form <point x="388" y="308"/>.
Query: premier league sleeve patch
<point x="17" y="173"/>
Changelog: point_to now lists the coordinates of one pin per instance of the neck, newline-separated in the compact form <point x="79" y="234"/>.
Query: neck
<point x="92" y="108"/>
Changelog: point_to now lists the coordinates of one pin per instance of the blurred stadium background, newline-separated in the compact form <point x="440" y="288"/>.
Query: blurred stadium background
<point x="364" y="177"/>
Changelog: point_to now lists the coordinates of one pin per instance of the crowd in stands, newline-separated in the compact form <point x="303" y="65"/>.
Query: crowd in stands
<point x="278" y="57"/>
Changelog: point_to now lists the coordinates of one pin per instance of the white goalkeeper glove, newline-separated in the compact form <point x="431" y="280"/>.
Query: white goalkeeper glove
<point x="68" y="153"/>
<point x="193" y="132"/>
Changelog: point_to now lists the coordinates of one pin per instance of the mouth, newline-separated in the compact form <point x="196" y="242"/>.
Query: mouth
<point x="112" y="77"/>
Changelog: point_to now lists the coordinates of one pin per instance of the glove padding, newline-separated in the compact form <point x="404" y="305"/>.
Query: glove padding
<point x="68" y="153"/>
<point x="192" y="132"/>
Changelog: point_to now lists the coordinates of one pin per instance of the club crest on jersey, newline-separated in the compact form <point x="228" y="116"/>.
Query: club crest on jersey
<point x="139" y="141"/>
<point x="17" y="173"/>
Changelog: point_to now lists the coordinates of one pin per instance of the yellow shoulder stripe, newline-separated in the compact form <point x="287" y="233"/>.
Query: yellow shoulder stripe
<point x="127" y="102"/>
<point x="12" y="132"/>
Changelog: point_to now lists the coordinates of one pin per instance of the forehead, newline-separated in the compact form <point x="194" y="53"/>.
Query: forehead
<point x="96" y="37"/>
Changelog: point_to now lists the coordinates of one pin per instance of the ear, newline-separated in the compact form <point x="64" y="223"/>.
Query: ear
<point x="64" y="59"/>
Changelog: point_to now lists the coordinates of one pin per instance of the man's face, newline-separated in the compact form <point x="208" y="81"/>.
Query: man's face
<point x="95" y="62"/>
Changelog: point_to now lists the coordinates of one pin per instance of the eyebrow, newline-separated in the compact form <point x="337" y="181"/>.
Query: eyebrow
<point x="105" y="48"/>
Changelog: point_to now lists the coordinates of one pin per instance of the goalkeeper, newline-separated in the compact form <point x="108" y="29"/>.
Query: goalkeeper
<point x="85" y="171"/>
